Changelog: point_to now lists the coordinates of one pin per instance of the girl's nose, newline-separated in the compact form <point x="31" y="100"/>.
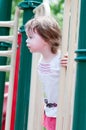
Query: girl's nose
<point x="27" y="44"/>
<point x="27" y="40"/>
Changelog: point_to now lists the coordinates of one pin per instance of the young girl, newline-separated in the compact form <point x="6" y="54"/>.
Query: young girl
<point x="44" y="37"/>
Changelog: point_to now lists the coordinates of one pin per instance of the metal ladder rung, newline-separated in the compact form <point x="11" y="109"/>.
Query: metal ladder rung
<point x="5" y="68"/>
<point x="7" y="24"/>
<point x="6" y="53"/>
<point x="6" y="38"/>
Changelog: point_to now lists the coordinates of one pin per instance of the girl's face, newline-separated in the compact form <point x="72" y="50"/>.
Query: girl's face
<point x="35" y="42"/>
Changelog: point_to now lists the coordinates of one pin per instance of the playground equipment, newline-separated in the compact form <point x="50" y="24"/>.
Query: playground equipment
<point x="79" y="115"/>
<point x="73" y="33"/>
<point x="67" y="82"/>
<point x="25" y="69"/>
<point x="15" y="88"/>
<point x="24" y="86"/>
<point x="36" y="97"/>
<point x="69" y="44"/>
<point x="3" y="46"/>
<point x="11" y="68"/>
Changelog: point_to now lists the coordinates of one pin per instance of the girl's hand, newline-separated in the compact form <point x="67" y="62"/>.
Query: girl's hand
<point x="64" y="61"/>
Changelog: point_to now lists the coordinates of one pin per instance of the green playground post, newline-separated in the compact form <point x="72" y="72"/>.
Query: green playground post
<point x="79" y="115"/>
<point x="5" y="14"/>
<point x="25" y="69"/>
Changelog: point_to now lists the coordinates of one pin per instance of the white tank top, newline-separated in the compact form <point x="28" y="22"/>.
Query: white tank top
<point x="49" y="76"/>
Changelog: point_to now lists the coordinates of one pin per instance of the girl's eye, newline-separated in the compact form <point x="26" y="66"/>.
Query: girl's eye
<point x="30" y="37"/>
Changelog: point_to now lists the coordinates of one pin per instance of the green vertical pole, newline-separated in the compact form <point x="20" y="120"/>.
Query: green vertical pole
<point x="25" y="70"/>
<point x="5" y="13"/>
<point x="79" y="116"/>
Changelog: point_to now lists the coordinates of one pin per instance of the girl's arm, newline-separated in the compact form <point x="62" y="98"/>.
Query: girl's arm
<point x="64" y="60"/>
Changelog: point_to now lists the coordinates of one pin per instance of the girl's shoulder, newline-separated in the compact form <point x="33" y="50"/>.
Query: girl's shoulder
<point x="56" y="59"/>
<point x="58" y="56"/>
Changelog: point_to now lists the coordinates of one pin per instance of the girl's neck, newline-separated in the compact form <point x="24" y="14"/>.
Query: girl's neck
<point x="48" y="56"/>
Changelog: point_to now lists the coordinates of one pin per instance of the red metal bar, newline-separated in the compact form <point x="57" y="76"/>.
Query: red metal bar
<point x="15" y="83"/>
